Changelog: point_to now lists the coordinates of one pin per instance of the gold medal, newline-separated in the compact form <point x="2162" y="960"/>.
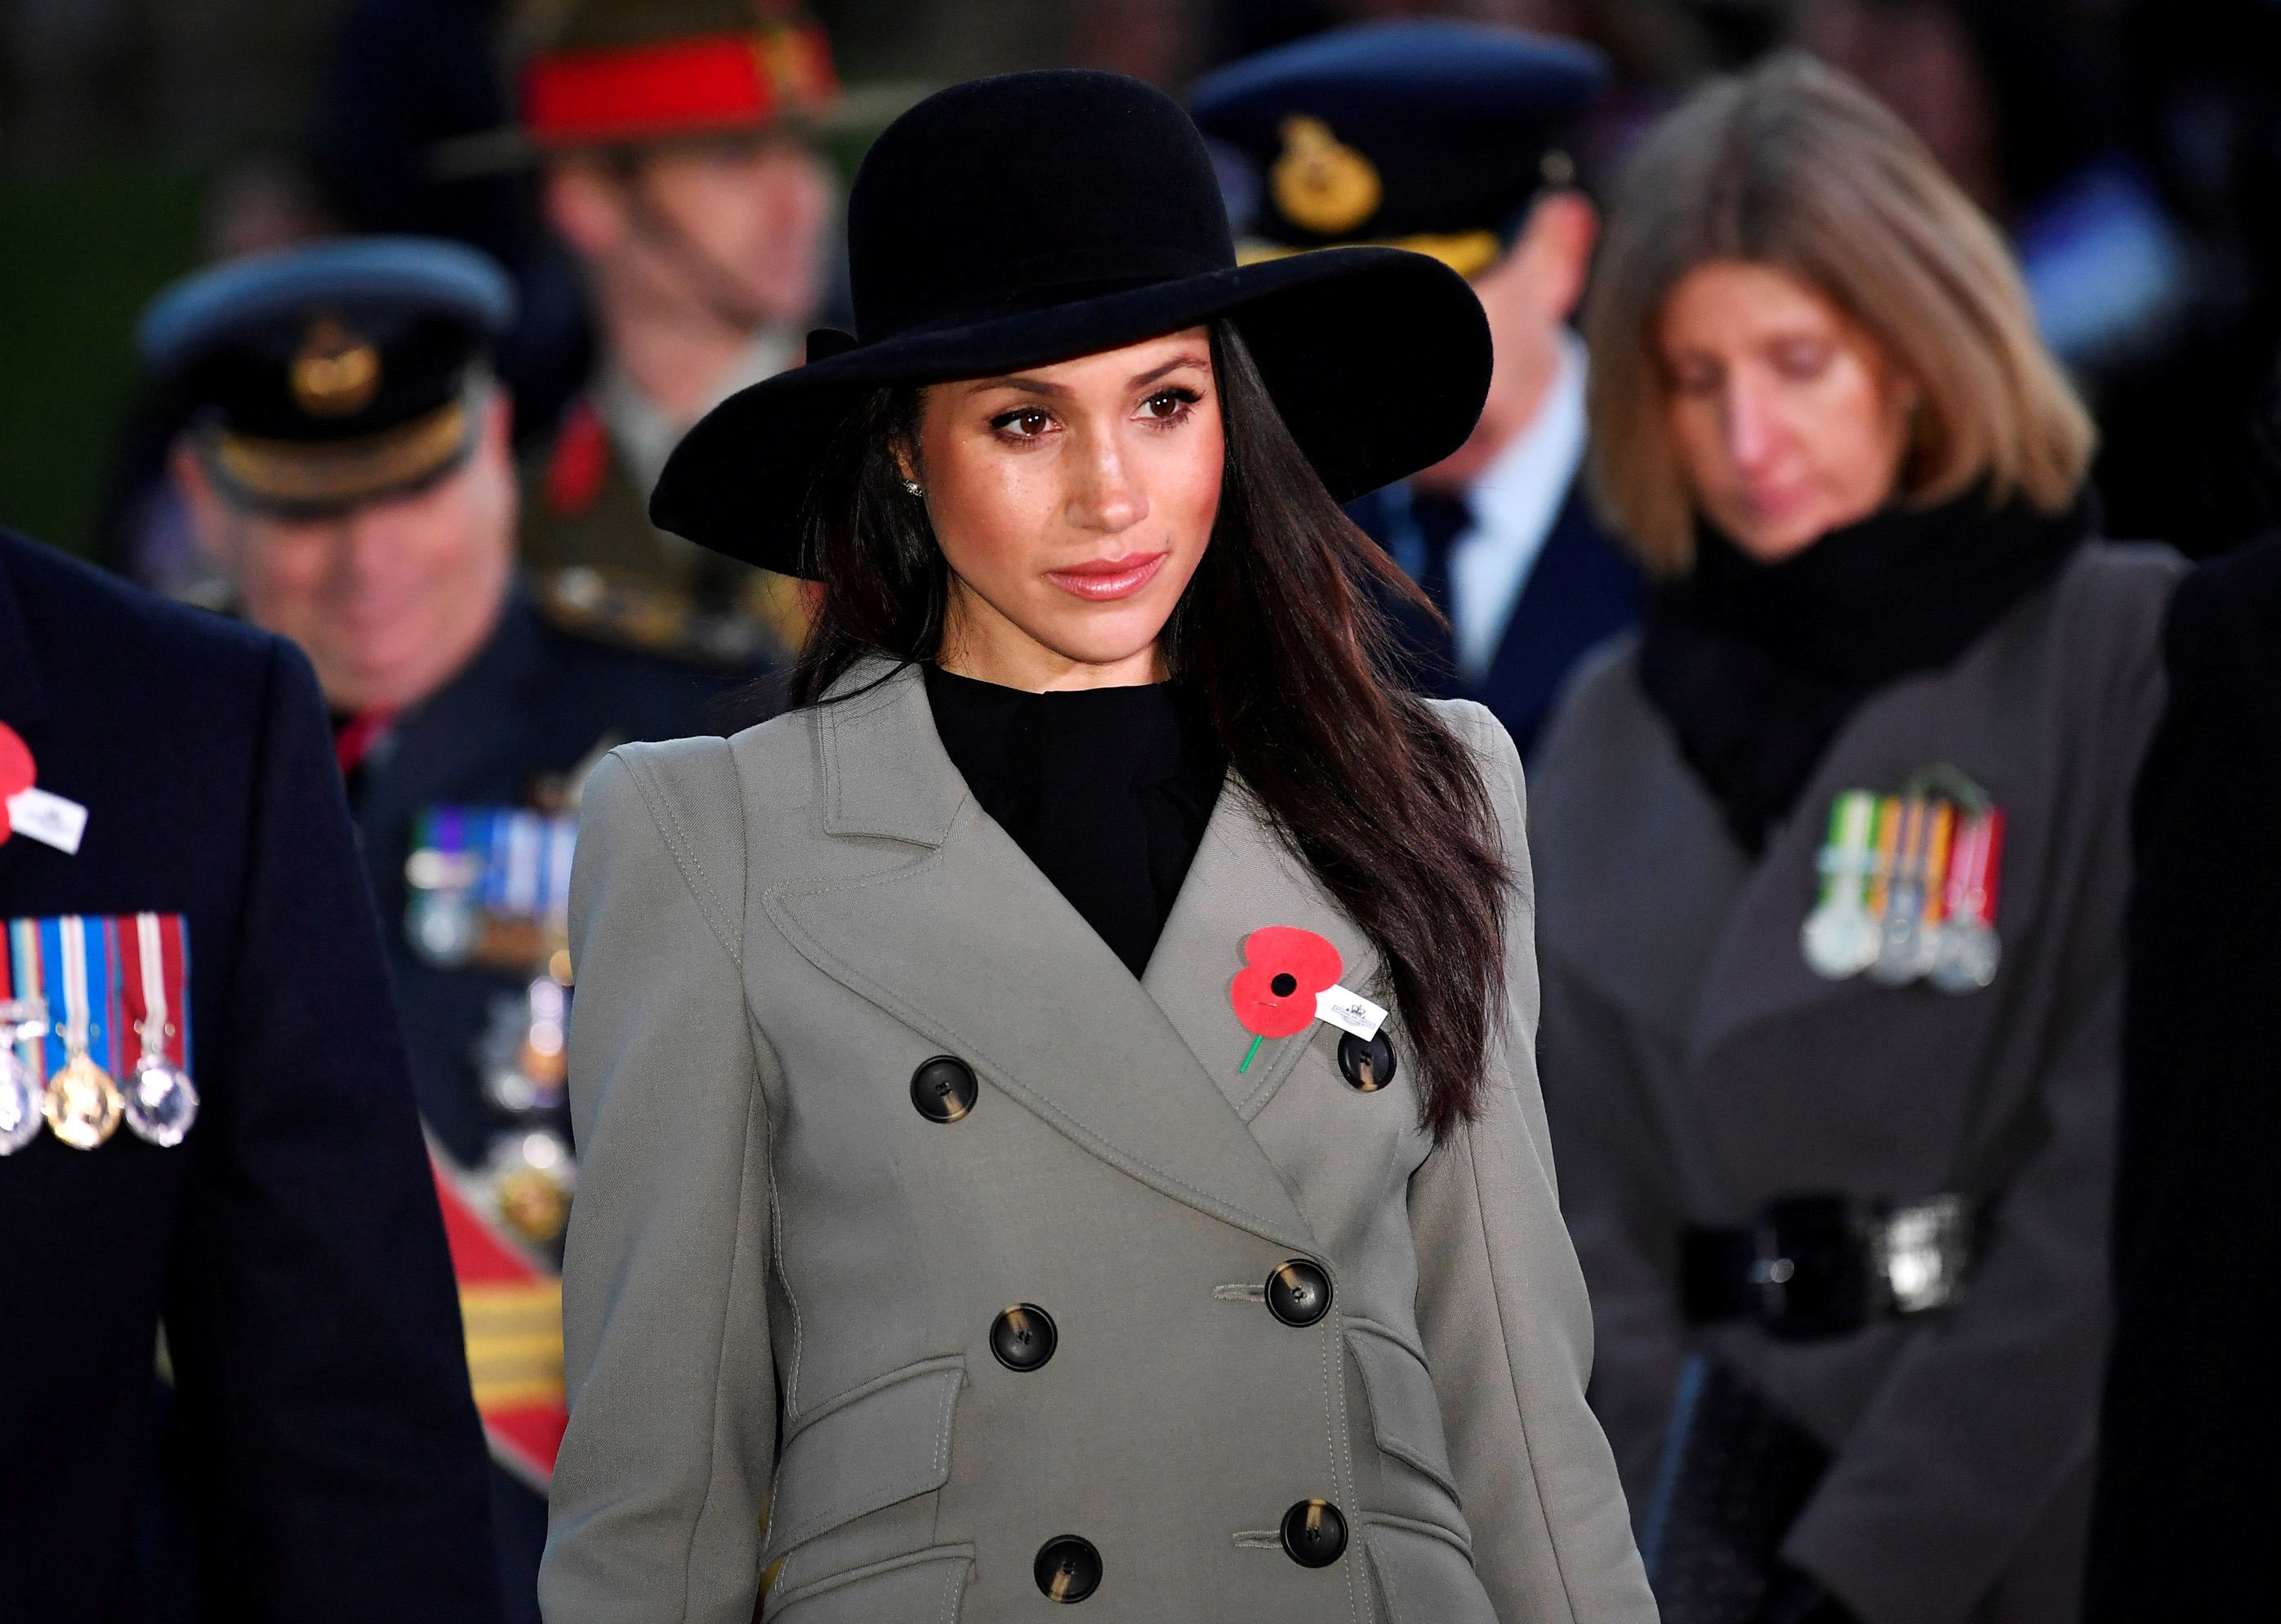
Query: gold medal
<point x="534" y="1203"/>
<point x="82" y="1104"/>
<point x="532" y="1177"/>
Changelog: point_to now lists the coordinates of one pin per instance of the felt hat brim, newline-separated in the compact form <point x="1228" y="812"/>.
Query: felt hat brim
<point x="1377" y="358"/>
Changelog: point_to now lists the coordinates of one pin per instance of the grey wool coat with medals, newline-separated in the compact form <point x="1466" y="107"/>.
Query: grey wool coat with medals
<point x="782" y="1276"/>
<point x="1697" y="1069"/>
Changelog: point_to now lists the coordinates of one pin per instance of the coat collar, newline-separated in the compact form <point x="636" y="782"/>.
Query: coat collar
<point x="967" y="942"/>
<point x="886" y="773"/>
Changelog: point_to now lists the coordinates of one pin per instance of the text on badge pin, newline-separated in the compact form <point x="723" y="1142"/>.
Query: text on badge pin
<point x="49" y="819"/>
<point x="1349" y="1011"/>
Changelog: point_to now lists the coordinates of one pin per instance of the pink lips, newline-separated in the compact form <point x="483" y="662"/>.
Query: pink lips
<point x="1104" y="580"/>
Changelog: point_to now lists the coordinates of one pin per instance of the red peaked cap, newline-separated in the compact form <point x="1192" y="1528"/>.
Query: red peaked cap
<point x="659" y="86"/>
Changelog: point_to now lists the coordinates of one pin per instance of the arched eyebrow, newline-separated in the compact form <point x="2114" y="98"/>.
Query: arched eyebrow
<point x="1056" y="392"/>
<point x="1142" y="380"/>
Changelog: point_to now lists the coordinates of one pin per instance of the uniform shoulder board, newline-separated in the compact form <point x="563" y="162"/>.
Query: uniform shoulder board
<point x="621" y="611"/>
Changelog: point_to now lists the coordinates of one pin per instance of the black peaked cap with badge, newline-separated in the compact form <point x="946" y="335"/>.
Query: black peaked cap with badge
<point x="1036" y="216"/>
<point x="344" y="373"/>
<point x="325" y="375"/>
<point x="1430" y="134"/>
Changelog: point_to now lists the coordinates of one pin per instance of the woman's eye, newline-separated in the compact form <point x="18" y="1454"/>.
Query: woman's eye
<point x="1168" y="406"/>
<point x="1801" y="359"/>
<point x="1695" y="378"/>
<point x="1023" y="423"/>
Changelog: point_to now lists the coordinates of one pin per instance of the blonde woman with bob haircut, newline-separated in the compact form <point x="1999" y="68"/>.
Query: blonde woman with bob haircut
<point x="1833" y="860"/>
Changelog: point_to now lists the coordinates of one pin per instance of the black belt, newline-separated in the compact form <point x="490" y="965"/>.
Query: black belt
<point x="1813" y="1266"/>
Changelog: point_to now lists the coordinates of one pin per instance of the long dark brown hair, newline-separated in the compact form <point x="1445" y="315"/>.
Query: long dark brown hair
<point x="1282" y="634"/>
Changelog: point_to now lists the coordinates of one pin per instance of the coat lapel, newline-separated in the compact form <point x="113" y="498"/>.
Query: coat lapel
<point x="1243" y="879"/>
<point x="1637" y="914"/>
<point x="959" y="936"/>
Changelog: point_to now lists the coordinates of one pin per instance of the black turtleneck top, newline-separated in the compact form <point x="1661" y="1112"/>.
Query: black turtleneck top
<point x="1106" y="789"/>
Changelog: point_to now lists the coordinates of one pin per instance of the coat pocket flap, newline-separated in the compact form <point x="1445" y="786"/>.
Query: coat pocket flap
<point x="1405" y="1416"/>
<point x="886" y="1441"/>
<point x="1424" y="1574"/>
<point x="925" y="1588"/>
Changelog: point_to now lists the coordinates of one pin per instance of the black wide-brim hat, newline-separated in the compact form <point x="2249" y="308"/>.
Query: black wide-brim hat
<point x="1034" y="218"/>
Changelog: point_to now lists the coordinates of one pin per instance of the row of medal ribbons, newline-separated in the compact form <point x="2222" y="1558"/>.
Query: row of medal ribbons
<point x="95" y="1025"/>
<point x="491" y="885"/>
<point x="1908" y="892"/>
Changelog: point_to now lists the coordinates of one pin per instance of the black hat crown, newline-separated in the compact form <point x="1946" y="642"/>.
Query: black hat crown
<point x="1030" y="218"/>
<point x="1028" y="190"/>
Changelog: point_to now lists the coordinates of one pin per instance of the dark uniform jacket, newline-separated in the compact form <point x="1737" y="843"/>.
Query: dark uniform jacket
<point x="291" y="1243"/>
<point x="2190" y="1487"/>
<point x="1696" y="1069"/>
<point x="533" y="708"/>
<point x="1582" y="589"/>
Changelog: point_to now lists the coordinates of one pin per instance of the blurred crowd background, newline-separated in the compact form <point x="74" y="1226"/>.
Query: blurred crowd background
<point x="2132" y="148"/>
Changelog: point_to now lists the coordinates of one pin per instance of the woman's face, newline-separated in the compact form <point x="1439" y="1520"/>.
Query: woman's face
<point x="1073" y="503"/>
<point x="1790" y="420"/>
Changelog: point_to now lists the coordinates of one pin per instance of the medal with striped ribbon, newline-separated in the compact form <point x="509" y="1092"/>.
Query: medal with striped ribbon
<point x="84" y="1104"/>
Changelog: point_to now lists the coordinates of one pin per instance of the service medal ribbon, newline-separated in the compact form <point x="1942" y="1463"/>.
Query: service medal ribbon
<point x="1908" y="887"/>
<point x="83" y="1105"/>
<point x="73" y="989"/>
<point x="491" y="885"/>
<point x="160" y="1101"/>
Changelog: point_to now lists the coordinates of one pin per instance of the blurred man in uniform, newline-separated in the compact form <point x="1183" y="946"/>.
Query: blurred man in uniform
<point x="675" y="138"/>
<point x="1455" y="139"/>
<point x="348" y="467"/>
<point x="206" y="1123"/>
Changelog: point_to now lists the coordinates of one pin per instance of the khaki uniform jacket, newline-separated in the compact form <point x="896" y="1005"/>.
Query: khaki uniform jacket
<point x="782" y="1276"/>
<point x="1697" y="1069"/>
<point x="584" y="512"/>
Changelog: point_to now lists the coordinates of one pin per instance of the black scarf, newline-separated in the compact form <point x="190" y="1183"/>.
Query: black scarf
<point x="1758" y="666"/>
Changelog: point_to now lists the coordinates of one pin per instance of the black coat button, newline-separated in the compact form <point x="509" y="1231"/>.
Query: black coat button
<point x="1022" y="1338"/>
<point x="1367" y="1066"/>
<point x="1067" y="1569"/>
<point x="1298" y="1293"/>
<point x="1314" y="1533"/>
<point x="943" y="1089"/>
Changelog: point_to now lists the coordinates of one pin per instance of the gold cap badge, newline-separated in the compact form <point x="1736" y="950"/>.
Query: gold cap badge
<point x="336" y="372"/>
<point x="1321" y="183"/>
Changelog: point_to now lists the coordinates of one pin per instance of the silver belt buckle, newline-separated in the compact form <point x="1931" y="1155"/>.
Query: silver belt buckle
<point x="1921" y="1253"/>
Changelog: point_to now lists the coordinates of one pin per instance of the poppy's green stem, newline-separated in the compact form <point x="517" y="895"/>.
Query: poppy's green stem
<point x="1254" y="1049"/>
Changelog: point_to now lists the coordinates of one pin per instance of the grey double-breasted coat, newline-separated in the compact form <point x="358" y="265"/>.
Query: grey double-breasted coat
<point x="782" y="1276"/>
<point x="1697" y="1069"/>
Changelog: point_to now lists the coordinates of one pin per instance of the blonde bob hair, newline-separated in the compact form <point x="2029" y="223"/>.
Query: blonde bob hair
<point x="1794" y="165"/>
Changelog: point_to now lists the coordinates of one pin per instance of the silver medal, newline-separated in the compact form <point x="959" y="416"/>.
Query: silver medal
<point x="1840" y="941"/>
<point x="21" y="1096"/>
<point x="160" y="1102"/>
<point x="443" y="927"/>
<point x="1969" y="953"/>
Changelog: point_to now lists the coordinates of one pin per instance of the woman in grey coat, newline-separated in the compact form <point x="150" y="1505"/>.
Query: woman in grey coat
<point x="1834" y="858"/>
<point x="1057" y="1109"/>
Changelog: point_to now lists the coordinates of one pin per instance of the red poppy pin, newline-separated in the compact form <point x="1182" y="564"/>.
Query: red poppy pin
<point x="1280" y="990"/>
<point x="31" y="810"/>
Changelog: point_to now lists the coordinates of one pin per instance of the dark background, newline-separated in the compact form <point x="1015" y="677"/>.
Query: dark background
<point x="139" y="139"/>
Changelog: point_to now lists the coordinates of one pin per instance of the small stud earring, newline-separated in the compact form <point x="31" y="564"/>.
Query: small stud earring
<point x="912" y="485"/>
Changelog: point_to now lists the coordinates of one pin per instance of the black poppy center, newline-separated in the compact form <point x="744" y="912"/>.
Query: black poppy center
<point x="1284" y="985"/>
